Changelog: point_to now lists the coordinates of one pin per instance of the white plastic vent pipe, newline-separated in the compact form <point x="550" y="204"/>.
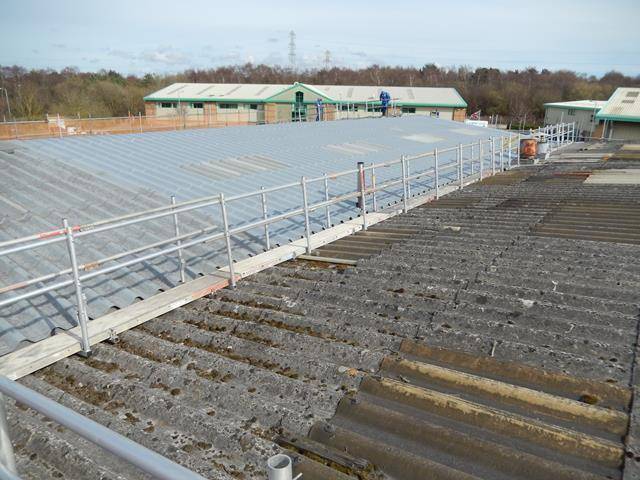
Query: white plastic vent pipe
<point x="279" y="467"/>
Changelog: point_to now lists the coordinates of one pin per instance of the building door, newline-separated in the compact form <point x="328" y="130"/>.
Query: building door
<point x="299" y="112"/>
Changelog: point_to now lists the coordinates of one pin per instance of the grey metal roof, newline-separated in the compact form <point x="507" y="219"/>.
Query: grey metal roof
<point x="92" y="178"/>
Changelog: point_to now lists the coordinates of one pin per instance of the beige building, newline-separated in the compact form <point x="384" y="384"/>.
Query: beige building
<point x="620" y="116"/>
<point x="582" y="112"/>
<point x="273" y="103"/>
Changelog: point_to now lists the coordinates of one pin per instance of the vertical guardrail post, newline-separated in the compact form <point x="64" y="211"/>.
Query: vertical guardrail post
<point x="7" y="456"/>
<point x="408" y="171"/>
<point x="305" y="207"/>
<point x="472" y="151"/>
<point x="493" y="155"/>
<point x="326" y="199"/>
<point x="461" y="180"/>
<point x="518" y="149"/>
<point x="59" y="125"/>
<point x="176" y="229"/>
<point x="403" y="163"/>
<point x="363" y="196"/>
<point x="501" y="153"/>
<point x="373" y="187"/>
<point x="437" y="172"/>
<point x="265" y="216"/>
<point x="481" y="159"/>
<point x="227" y="237"/>
<point x="82" y="312"/>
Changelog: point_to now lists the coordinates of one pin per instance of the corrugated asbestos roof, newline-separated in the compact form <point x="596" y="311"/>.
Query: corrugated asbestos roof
<point x="433" y="96"/>
<point x="394" y="368"/>
<point x="579" y="104"/>
<point x="624" y="106"/>
<point x="92" y="178"/>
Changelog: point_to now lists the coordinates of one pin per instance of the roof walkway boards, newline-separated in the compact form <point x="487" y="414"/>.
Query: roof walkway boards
<point x="92" y="178"/>
<point x="49" y="350"/>
<point x="327" y="359"/>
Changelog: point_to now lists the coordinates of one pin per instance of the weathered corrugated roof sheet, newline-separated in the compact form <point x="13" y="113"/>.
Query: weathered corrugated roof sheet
<point x="92" y="178"/>
<point x="361" y="366"/>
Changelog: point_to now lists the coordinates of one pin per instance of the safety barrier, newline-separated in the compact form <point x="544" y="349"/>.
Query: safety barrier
<point x="146" y="460"/>
<point x="474" y="159"/>
<point x="453" y="166"/>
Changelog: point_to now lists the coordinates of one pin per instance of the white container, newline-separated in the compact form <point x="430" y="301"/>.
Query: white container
<point x="279" y="467"/>
<point x="543" y="148"/>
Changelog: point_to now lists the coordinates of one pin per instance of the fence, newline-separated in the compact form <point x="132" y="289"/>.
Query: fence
<point x="430" y="171"/>
<point x="146" y="460"/>
<point x="57" y="126"/>
<point x="481" y="157"/>
<point x="556" y="136"/>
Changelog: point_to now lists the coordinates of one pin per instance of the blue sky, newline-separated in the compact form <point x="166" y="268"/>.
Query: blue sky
<point x="162" y="36"/>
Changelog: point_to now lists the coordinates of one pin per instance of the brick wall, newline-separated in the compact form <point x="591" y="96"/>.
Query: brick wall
<point x="150" y="109"/>
<point x="459" y="114"/>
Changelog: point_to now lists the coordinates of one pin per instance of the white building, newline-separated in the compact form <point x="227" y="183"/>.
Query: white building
<point x="273" y="103"/>
<point x="582" y="112"/>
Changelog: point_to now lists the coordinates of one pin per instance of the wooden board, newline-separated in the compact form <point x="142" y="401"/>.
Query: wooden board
<point x="45" y="352"/>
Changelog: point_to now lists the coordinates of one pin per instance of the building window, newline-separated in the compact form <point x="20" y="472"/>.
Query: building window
<point x="299" y="97"/>
<point x="435" y="114"/>
<point x="253" y="106"/>
<point x="374" y="108"/>
<point x="633" y="94"/>
<point x="228" y="106"/>
<point x="349" y="108"/>
<point x="197" y="105"/>
<point x="168" y="105"/>
<point x="408" y="109"/>
<point x="571" y="112"/>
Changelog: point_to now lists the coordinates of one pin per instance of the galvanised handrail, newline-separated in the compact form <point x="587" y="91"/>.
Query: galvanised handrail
<point x="146" y="460"/>
<point x="490" y="154"/>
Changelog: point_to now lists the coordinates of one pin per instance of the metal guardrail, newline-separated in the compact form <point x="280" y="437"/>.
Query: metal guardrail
<point x="556" y="136"/>
<point x="484" y="157"/>
<point x="483" y="154"/>
<point x="146" y="460"/>
<point x="492" y="154"/>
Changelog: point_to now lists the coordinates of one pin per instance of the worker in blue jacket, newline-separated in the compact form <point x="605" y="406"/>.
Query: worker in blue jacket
<point x="385" y="98"/>
<point x="319" y="110"/>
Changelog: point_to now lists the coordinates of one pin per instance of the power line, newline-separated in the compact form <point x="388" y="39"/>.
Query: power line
<point x="327" y="59"/>
<point x="292" y="49"/>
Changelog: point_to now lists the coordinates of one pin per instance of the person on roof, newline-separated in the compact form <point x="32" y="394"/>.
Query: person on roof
<point x="385" y="98"/>
<point x="319" y="110"/>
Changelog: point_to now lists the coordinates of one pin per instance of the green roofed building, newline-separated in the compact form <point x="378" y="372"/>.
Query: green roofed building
<point x="621" y="115"/>
<point x="582" y="112"/>
<point x="274" y="103"/>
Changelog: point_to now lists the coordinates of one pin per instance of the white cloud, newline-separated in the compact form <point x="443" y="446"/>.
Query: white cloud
<point x="165" y="55"/>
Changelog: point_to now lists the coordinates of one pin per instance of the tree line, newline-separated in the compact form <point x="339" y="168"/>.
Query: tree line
<point x="514" y="95"/>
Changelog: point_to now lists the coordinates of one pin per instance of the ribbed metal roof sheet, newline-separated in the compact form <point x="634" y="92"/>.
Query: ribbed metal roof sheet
<point x="579" y="104"/>
<point x="431" y="96"/>
<point x="624" y="105"/>
<point x="86" y="179"/>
